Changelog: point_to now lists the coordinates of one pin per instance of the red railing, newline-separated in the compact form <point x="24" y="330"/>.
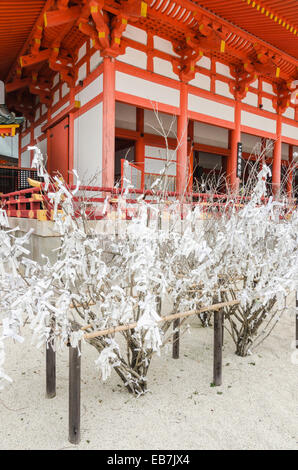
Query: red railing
<point x="100" y="202"/>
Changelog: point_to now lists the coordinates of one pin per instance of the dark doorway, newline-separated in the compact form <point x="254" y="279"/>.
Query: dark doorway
<point x="124" y="149"/>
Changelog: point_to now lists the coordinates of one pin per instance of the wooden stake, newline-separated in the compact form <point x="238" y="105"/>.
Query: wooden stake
<point x="50" y="371"/>
<point x="297" y="319"/>
<point x="217" y="348"/>
<point x="176" y="339"/>
<point x="74" y="394"/>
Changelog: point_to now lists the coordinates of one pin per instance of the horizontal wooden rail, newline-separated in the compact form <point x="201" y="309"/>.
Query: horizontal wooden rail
<point x="174" y="316"/>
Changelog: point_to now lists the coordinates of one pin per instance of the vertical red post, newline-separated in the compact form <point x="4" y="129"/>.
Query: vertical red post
<point x="140" y="145"/>
<point x="234" y="139"/>
<point x="108" y="124"/>
<point x="276" y="168"/>
<point x="190" y="153"/>
<point x="182" y="163"/>
<point x="290" y="173"/>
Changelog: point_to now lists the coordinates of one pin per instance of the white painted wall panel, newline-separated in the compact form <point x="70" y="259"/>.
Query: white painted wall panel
<point x="284" y="151"/>
<point x="64" y="106"/>
<point x="164" y="67"/>
<point x="210" y="108"/>
<point x="37" y="114"/>
<point x="43" y="147"/>
<point x="9" y="146"/>
<point x="267" y="105"/>
<point x="157" y="166"/>
<point x="223" y="69"/>
<point x="158" y="152"/>
<point x="82" y="73"/>
<point x="163" y="45"/>
<point x="56" y="79"/>
<point x="145" y="89"/>
<point x="26" y="140"/>
<point x="267" y="87"/>
<point x="88" y="145"/>
<point x="136" y="34"/>
<point x="211" y="135"/>
<point x="165" y="124"/>
<point x="204" y="62"/>
<point x="258" y="122"/>
<point x="201" y="81"/>
<point x="95" y="60"/>
<point x="89" y="92"/>
<point x="64" y="90"/>
<point x="251" y="143"/>
<point x="55" y="97"/>
<point x="25" y="159"/>
<point x="134" y="57"/>
<point x="289" y="113"/>
<point x="125" y="116"/>
<point x="251" y="98"/>
<point x="222" y="88"/>
<point x="290" y="131"/>
<point x="82" y="52"/>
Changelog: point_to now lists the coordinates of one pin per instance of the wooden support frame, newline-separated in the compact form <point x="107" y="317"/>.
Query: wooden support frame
<point x="50" y="371"/>
<point x="217" y="348"/>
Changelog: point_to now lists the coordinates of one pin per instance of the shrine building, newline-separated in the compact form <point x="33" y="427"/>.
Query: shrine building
<point x="99" y="81"/>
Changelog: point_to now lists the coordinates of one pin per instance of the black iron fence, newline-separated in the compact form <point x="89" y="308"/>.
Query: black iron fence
<point x="14" y="178"/>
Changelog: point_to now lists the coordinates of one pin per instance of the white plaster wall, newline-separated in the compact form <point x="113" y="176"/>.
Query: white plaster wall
<point x="267" y="105"/>
<point x="125" y="116"/>
<point x="267" y="87"/>
<point x="43" y="147"/>
<point x="251" y="98"/>
<point x="163" y="45"/>
<point x="251" y="143"/>
<point x="222" y="88"/>
<point x="258" y="122"/>
<point x="210" y="108"/>
<point x="64" y="106"/>
<point x="223" y="69"/>
<point x="25" y="159"/>
<point x="64" y="90"/>
<point x="164" y="67"/>
<point x="82" y="73"/>
<point x="167" y="124"/>
<point x="136" y="34"/>
<point x="134" y="57"/>
<point x="204" y="62"/>
<point x="290" y="131"/>
<point x="82" y="52"/>
<point x="88" y="145"/>
<point x="289" y="113"/>
<point x="158" y="152"/>
<point x="145" y="89"/>
<point x="9" y="146"/>
<point x="211" y="135"/>
<point x="158" y="166"/>
<point x="95" y="60"/>
<point x="55" y="97"/>
<point x="91" y="91"/>
<point x="201" y="81"/>
<point x="26" y="140"/>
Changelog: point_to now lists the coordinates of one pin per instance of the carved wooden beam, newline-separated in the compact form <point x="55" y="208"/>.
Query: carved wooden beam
<point x="62" y="16"/>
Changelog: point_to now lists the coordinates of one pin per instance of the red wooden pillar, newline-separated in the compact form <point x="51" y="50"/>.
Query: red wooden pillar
<point x="234" y="139"/>
<point x="108" y="124"/>
<point x="140" y="145"/>
<point x="276" y="169"/>
<point x="182" y="126"/>
<point x="190" y="153"/>
<point x="290" y="173"/>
